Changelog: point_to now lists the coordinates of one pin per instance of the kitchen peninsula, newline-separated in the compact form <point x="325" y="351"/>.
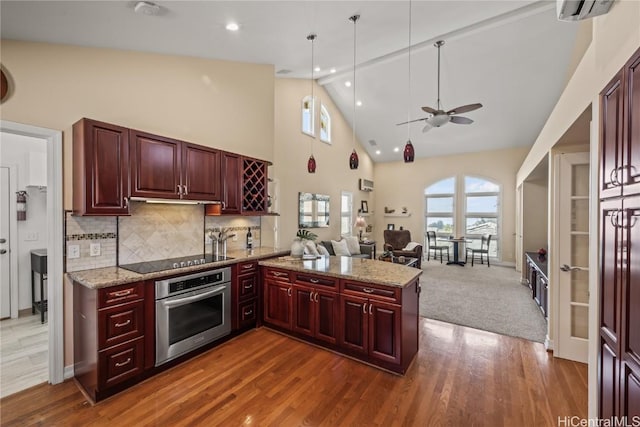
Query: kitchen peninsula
<point x="362" y="308"/>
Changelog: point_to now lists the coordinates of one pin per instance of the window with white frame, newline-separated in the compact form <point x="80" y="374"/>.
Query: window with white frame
<point x="325" y="125"/>
<point x="482" y="211"/>
<point x="346" y="213"/>
<point x="440" y="207"/>
<point x="308" y="115"/>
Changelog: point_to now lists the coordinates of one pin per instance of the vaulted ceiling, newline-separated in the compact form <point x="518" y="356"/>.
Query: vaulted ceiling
<point x="511" y="56"/>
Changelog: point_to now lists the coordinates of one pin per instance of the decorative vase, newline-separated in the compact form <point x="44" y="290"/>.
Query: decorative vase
<point x="297" y="248"/>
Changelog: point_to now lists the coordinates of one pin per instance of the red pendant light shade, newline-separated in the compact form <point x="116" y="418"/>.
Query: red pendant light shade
<point x="409" y="153"/>
<point x="311" y="165"/>
<point x="353" y="160"/>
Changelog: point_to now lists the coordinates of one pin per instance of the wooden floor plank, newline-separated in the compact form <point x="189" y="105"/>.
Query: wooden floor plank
<point x="461" y="376"/>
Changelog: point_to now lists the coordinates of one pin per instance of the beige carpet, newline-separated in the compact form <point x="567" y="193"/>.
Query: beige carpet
<point x="491" y="299"/>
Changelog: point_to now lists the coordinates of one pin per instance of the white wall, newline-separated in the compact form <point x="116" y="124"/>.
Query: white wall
<point x="14" y="150"/>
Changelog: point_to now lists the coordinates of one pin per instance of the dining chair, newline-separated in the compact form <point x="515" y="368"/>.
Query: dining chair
<point x="431" y="245"/>
<point x="484" y="249"/>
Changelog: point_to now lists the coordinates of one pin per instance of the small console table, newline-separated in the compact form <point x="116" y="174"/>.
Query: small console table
<point x="38" y="265"/>
<point x="536" y="269"/>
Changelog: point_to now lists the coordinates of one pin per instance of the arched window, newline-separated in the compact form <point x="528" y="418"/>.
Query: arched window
<point x="308" y="115"/>
<point x="439" y="207"/>
<point x="325" y="125"/>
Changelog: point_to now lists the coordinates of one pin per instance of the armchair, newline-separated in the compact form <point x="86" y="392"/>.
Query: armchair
<point x="396" y="240"/>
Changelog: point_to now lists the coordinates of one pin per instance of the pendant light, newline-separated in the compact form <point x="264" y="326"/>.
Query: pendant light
<point x="409" y="153"/>
<point x="311" y="163"/>
<point x="353" y="159"/>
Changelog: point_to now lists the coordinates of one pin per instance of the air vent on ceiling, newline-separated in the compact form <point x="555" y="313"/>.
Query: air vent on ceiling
<point x="284" y="71"/>
<point x="373" y="142"/>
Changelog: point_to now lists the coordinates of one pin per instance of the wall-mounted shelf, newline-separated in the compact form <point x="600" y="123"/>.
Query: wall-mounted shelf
<point x="398" y="215"/>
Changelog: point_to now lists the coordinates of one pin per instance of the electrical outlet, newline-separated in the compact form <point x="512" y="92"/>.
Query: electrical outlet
<point x="94" y="249"/>
<point x="73" y="251"/>
<point x="31" y="236"/>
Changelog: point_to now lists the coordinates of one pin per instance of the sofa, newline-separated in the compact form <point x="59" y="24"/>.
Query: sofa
<point x="397" y="240"/>
<point x="366" y="251"/>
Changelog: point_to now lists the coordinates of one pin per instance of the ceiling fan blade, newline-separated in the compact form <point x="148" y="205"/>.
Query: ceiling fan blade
<point x="464" y="109"/>
<point x="429" y="110"/>
<point x="411" y="121"/>
<point x="426" y="128"/>
<point x="461" y="120"/>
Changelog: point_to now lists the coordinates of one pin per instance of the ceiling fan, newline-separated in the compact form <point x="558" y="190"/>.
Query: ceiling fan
<point x="440" y="117"/>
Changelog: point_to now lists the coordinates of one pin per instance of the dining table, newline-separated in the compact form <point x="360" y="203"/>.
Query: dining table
<point x="456" y="243"/>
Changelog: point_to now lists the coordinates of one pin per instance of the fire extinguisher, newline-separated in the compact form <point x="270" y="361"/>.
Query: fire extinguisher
<point x="21" y="205"/>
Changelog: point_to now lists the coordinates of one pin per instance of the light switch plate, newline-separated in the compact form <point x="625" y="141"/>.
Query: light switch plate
<point x="94" y="249"/>
<point x="73" y="251"/>
<point x="31" y="236"/>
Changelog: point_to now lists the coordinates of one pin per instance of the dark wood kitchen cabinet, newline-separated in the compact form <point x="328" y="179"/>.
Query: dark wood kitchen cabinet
<point x="246" y="294"/>
<point x="619" y="355"/>
<point x="100" y="168"/>
<point x="278" y="306"/>
<point x="109" y="338"/>
<point x="167" y="168"/>
<point x="254" y="186"/>
<point x="232" y="180"/>
<point x="315" y="307"/>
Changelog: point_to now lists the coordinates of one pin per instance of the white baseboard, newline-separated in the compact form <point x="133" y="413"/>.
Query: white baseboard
<point x="68" y="372"/>
<point x="548" y="343"/>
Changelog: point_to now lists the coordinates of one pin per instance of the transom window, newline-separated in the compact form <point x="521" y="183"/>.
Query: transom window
<point x="325" y="125"/>
<point x="308" y="115"/>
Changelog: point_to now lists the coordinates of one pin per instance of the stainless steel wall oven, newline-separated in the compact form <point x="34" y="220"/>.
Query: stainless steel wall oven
<point x="191" y="311"/>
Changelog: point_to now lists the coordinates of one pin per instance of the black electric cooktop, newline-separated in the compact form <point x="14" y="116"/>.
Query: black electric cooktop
<point x="172" y="263"/>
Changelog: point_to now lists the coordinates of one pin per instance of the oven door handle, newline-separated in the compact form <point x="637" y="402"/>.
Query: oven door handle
<point x="182" y="301"/>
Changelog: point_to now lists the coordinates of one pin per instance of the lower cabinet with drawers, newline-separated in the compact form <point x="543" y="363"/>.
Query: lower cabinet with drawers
<point x="246" y="287"/>
<point x="109" y="337"/>
<point x="374" y="323"/>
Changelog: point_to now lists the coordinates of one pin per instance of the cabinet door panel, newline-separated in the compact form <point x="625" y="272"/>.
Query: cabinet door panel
<point x="632" y="128"/>
<point x="155" y="166"/>
<point x="608" y="381"/>
<point x="248" y="286"/>
<point x="631" y="395"/>
<point x="247" y="313"/>
<point x="231" y="178"/>
<point x="327" y="316"/>
<point x="354" y="324"/>
<point x="277" y="304"/>
<point x="384" y="332"/>
<point x="631" y="284"/>
<point x="303" y="310"/>
<point x="120" y="363"/>
<point x="201" y="169"/>
<point x="121" y="323"/>
<point x="611" y="138"/>
<point x="610" y="269"/>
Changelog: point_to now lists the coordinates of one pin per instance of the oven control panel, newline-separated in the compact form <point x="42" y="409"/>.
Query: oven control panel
<point x="176" y="285"/>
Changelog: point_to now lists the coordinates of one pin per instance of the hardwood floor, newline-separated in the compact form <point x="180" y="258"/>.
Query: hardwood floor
<point x="24" y="353"/>
<point x="461" y="376"/>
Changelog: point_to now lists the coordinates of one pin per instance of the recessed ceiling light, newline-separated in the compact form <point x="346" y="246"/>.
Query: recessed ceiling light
<point x="333" y="70"/>
<point x="347" y="83"/>
<point x="147" y="8"/>
<point x="377" y="151"/>
<point x="359" y="103"/>
<point x="395" y="150"/>
<point x="232" y="26"/>
<point x="317" y="69"/>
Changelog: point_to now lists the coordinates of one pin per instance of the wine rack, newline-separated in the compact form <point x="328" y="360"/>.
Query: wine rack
<point x="254" y="186"/>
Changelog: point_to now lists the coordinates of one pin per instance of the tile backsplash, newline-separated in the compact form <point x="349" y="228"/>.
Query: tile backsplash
<point x="152" y="232"/>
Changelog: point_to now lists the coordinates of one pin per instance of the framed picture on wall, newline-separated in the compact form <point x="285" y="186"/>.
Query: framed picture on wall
<point x="391" y="226"/>
<point x="364" y="207"/>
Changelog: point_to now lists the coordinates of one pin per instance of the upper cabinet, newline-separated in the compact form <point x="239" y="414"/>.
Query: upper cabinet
<point x="170" y="169"/>
<point x="100" y="168"/>
<point x="113" y="164"/>
<point x="620" y="132"/>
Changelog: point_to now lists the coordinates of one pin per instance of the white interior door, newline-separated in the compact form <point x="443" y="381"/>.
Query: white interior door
<point x="573" y="257"/>
<point x="5" y="265"/>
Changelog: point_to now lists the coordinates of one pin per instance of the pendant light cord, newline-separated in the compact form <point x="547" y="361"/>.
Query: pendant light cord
<point x="354" y="18"/>
<point x="409" y="81"/>
<point x="312" y="37"/>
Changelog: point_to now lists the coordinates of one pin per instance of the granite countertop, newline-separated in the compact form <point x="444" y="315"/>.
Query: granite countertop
<point x="541" y="265"/>
<point x="113" y="276"/>
<point x="360" y="269"/>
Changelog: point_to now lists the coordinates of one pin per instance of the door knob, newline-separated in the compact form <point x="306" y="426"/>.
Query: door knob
<point x="3" y="240"/>
<point x="566" y="267"/>
<point x="3" y="251"/>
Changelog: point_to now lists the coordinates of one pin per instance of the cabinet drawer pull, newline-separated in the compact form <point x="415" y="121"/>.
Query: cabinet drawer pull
<point x="247" y="266"/>
<point x="370" y="305"/>
<point x="248" y="286"/>
<point x="312" y="280"/>
<point x="316" y="297"/>
<point x="248" y="313"/>
<point x="364" y="308"/>
<point x="311" y="296"/>
<point x="184" y="189"/>
<point x="126" y="362"/>
<point x="120" y="325"/>
<point x="289" y="291"/>
<point x="179" y="189"/>
<point x="121" y="293"/>
<point x="126" y="202"/>
<point x="367" y="290"/>
<point x="279" y="274"/>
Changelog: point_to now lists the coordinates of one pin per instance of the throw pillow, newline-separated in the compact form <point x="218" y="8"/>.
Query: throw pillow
<point x="353" y="244"/>
<point x="322" y="250"/>
<point x="411" y="246"/>
<point x="310" y="248"/>
<point x="340" y="248"/>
